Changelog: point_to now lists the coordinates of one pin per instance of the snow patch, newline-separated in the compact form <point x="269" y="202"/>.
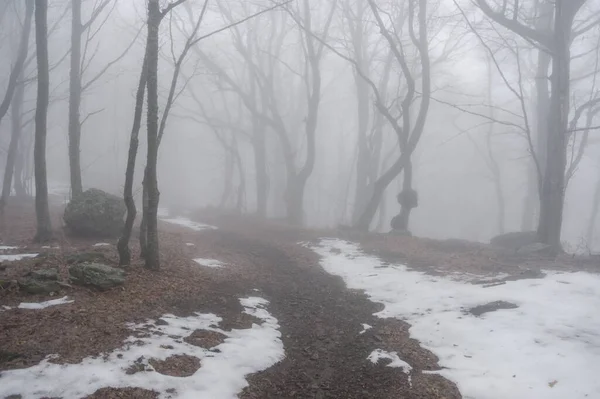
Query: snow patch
<point x="15" y="257"/>
<point x="7" y="247"/>
<point x="46" y="304"/>
<point x="4" y="308"/>
<point x="365" y="328"/>
<point x="102" y="244"/>
<point x="221" y="375"/>
<point x="379" y="354"/>
<point x="190" y="244"/>
<point x="212" y="263"/>
<point x="546" y="348"/>
<point x="189" y="224"/>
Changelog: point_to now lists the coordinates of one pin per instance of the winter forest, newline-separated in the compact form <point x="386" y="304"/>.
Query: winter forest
<point x="428" y="127"/>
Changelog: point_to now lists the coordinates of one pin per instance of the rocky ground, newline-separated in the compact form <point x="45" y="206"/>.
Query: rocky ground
<point x="320" y="319"/>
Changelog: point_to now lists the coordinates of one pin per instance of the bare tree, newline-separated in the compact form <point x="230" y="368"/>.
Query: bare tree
<point x="557" y="42"/>
<point x="408" y="133"/>
<point x="83" y="33"/>
<point x="44" y="226"/>
<point x="19" y="61"/>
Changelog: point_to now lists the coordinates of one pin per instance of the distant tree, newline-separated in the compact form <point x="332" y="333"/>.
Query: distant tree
<point x="44" y="226"/>
<point x="19" y="61"/>
<point x="16" y="107"/>
<point x="557" y="42"/>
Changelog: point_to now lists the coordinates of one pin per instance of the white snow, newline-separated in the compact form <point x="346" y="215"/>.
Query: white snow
<point x="11" y="258"/>
<point x="547" y="348"/>
<point x="4" y="308"/>
<point x="190" y="244"/>
<point x="189" y="224"/>
<point x="46" y="304"/>
<point x="378" y="354"/>
<point x="212" y="263"/>
<point x="221" y="375"/>
<point x="102" y="244"/>
<point x="7" y="247"/>
<point x="365" y="328"/>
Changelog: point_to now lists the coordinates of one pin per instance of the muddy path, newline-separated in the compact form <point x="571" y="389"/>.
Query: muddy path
<point x="321" y="323"/>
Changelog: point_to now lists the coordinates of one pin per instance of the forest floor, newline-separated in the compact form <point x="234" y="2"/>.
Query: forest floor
<point x="262" y="310"/>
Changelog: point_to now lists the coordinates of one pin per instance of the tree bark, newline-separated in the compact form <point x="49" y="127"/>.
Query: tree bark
<point x="591" y="228"/>
<point x="152" y="251"/>
<point x="553" y="186"/>
<point x="123" y="244"/>
<point x="75" y="100"/>
<point x="13" y="148"/>
<point x="17" y="69"/>
<point x="260" y="164"/>
<point x="44" y="226"/>
<point x="544" y="16"/>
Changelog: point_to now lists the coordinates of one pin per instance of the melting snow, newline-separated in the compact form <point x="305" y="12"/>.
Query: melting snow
<point x="190" y="244"/>
<point x="46" y="304"/>
<point x="102" y="244"/>
<point x="212" y="263"/>
<point x="221" y="375"/>
<point x="365" y="328"/>
<point x="7" y="247"/>
<point x="378" y="354"/>
<point x="189" y="224"/>
<point x="549" y="347"/>
<point x="11" y="258"/>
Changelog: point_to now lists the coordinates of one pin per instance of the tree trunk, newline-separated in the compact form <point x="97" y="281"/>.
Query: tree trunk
<point x="75" y="100"/>
<point x="44" y="227"/>
<point x="544" y="16"/>
<point x="593" y="216"/>
<point x="13" y="148"/>
<point x="227" y="177"/>
<point x="152" y="250"/>
<point x="123" y="244"/>
<point x="405" y="198"/>
<point x="294" y="200"/>
<point x="19" y="62"/>
<point x="143" y="223"/>
<point x="19" y="175"/>
<point x="553" y="187"/>
<point x="260" y="164"/>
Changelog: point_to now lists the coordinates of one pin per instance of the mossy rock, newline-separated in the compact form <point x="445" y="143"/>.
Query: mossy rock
<point x="96" y="275"/>
<point x="95" y="213"/>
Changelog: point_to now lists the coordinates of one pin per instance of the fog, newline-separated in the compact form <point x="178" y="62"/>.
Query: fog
<point x="210" y="127"/>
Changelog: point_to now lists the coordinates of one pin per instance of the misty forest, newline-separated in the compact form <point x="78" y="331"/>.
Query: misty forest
<point x="300" y="199"/>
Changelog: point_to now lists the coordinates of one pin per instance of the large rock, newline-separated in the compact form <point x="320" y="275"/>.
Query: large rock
<point x="96" y="275"/>
<point x="515" y="240"/>
<point x="95" y="213"/>
<point x="43" y="281"/>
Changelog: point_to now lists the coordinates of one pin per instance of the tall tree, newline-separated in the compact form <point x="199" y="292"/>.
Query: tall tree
<point x="44" y="226"/>
<point x="557" y="43"/>
<point x="19" y="61"/>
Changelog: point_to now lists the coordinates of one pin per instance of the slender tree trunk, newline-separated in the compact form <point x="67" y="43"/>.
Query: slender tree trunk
<point x="553" y="187"/>
<point x="13" y="148"/>
<point x="17" y="69"/>
<point x="123" y="244"/>
<point x="144" y="222"/>
<point x="152" y="250"/>
<point x="294" y="200"/>
<point x="260" y="164"/>
<point x="44" y="227"/>
<point x="75" y="100"/>
<point x="593" y="216"/>
<point x="542" y="101"/>
<point x="227" y="177"/>
<point x="19" y="177"/>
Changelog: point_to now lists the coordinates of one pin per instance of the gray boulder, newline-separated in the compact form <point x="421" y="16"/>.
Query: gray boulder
<point x="95" y="213"/>
<point x="96" y="275"/>
<point x="43" y="281"/>
<point x="515" y="240"/>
